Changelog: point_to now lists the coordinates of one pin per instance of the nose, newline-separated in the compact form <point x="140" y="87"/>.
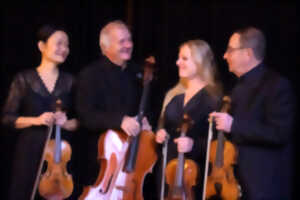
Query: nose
<point x="178" y="62"/>
<point x="64" y="47"/>
<point x="128" y="43"/>
<point x="225" y="55"/>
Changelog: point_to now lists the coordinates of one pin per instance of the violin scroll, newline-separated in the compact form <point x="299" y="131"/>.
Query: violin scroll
<point x="226" y="104"/>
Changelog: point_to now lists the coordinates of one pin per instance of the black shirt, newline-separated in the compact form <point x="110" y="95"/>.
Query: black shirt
<point x="198" y="109"/>
<point x="106" y="93"/>
<point x="263" y="113"/>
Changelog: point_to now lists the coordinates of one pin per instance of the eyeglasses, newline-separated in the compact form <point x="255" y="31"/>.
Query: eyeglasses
<point x="231" y="49"/>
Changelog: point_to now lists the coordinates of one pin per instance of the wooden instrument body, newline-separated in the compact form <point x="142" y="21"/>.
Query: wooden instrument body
<point x="125" y="160"/>
<point x="223" y="155"/>
<point x="113" y="182"/>
<point x="56" y="182"/>
<point x="183" y="191"/>
<point x="181" y="173"/>
<point x="223" y="176"/>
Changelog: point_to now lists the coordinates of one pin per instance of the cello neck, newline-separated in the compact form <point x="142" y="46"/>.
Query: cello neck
<point x="134" y="144"/>
<point x="143" y="102"/>
<point x="133" y="148"/>
<point x="147" y="78"/>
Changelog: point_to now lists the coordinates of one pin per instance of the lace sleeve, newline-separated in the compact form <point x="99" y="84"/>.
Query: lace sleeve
<point x="13" y="101"/>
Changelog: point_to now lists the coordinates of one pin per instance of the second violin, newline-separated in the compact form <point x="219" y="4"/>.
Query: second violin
<point x="221" y="181"/>
<point x="181" y="173"/>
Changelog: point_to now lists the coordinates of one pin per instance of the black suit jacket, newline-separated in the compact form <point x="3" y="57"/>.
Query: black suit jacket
<point x="263" y="108"/>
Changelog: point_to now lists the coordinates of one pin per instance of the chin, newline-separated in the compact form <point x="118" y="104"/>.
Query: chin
<point x="182" y="75"/>
<point x="230" y="70"/>
<point x="59" y="60"/>
<point x="126" y="57"/>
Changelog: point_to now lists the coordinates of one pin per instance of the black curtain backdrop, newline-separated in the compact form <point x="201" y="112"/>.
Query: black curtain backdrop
<point x="158" y="27"/>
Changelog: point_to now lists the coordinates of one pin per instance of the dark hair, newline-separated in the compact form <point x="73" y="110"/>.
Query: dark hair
<point x="254" y="38"/>
<point x="46" y="31"/>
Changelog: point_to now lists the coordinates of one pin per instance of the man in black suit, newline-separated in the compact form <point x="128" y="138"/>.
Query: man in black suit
<point x="261" y="120"/>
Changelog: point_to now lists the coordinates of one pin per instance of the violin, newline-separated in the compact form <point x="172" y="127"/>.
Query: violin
<point x="124" y="160"/>
<point x="223" y="154"/>
<point x="56" y="182"/>
<point x="181" y="173"/>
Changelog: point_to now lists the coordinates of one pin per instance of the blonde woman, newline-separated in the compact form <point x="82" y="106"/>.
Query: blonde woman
<point x="196" y="65"/>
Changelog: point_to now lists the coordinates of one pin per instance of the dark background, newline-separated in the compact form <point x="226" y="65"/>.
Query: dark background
<point x="158" y="27"/>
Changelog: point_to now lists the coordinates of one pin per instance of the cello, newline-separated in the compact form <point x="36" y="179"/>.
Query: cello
<point x="124" y="160"/>
<point x="56" y="182"/>
<point x="181" y="173"/>
<point x="222" y="156"/>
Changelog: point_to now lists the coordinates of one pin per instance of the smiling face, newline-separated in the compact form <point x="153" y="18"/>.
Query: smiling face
<point x="236" y="55"/>
<point x="187" y="67"/>
<point x="119" y="47"/>
<point x="56" y="48"/>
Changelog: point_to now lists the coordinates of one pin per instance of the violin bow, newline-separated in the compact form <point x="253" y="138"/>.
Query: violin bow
<point x="164" y="163"/>
<point x="50" y="128"/>
<point x="209" y="138"/>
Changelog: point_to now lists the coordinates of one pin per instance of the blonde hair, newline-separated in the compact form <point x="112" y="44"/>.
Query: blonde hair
<point x="204" y="59"/>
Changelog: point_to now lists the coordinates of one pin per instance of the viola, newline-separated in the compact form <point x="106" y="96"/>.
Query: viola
<point x="124" y="160"/>
<point x="56" y="182"/>
<point x="221" y="181"/>
<point x="181" y="173"/>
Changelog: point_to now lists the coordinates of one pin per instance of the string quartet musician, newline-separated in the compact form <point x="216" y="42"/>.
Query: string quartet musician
<point x="196" y="65"/>
<point x="261" y="119"/>
<point x="30" y="108"/>
<point x="108" y="95"/>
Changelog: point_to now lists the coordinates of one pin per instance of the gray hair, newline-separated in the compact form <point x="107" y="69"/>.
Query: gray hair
<point x="104" y="37"/>
<point x="251" y="37"/>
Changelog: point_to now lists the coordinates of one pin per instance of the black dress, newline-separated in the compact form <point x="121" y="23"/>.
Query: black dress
<point x="198" y="108"/>
<point x="28" y="96"/>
